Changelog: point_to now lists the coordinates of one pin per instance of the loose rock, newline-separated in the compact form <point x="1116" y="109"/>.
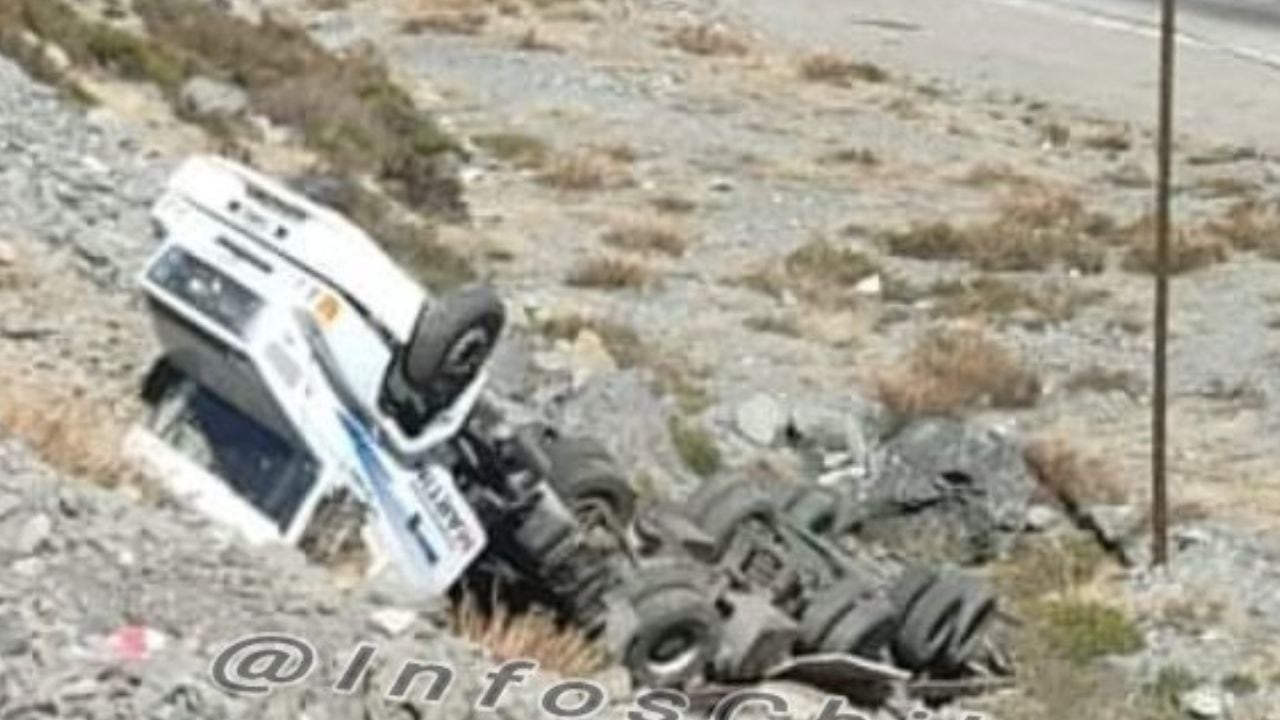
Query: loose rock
<point x="760" y="419"/>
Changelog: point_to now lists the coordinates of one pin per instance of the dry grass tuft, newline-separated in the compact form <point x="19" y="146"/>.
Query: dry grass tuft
<point x="956" y="368"/>
<point x="610" y="273"/>
<point x="583" y="170"/>
<point x="709" y="39"/>
<point x="1048" y="584"/>
<point x="986" y="174"/>
<point x="1033" y="230"/>
<point x="1112" y="140"/>
<point x="833" y="69"/>
<point x="864" y="157"/>
<point x="782" y="325"/>
<point x="696" y="447"/>
<point x="533" y="635"/>
<point x="674" y="204"/>
<point x="1099" y="379"/>
<point x="520" y="149"/>
<point x="1071" y="477"/>
<point x="1190" y="248"/>
<point x="344" y="107"/>
<point x="1250" y="224"/>
<point x="74" y="433"/>
<point x="823" y="263"/>
<point x="819" y="271"/>
<point x="622" y="341"/>
<point x="647" y="234"/>
<point x="535" y="40"/>
<point x="456" y="22"/>
<point x="991" y="296"/>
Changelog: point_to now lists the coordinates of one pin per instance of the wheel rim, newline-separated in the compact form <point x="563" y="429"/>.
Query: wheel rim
<point x="467" y="354"/>
<point x="675" y="649"/>
<point x="594" y="509"/>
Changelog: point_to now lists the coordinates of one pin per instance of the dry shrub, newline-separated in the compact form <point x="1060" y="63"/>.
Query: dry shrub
<point x="709" y="39"/>
<point x="610" y="273"/>
<point x="991" y="296"/>
<point x="987" y="174"/>
<point x="1032" y="230"/>
<point x="823" y="263"/>
<point x="647" y="234"/>
<point x="1225" y="186"/>
<point x="519" y="149"/>
<point x="1072" y="477"/>
<point x="951" y="369"/>
<point x="621" y="340"/>
<point x="1099" y="379"/>
<point x="86" y="42"/>
<point x="1114" y="140"/>
<point x="819" y="271"/>
<point x="73" y="432"/>
<point x="457" y="22"/>
<point x="534" y="40"/>
<point x="346" y="107"/>
<point x="674" y="204"/>
<point x="531" y="635"/>
<point x="864" y="157"/>
<point x="583" y="170"/>
<point x="1190" y="248"/>
<point x="833" y="69"/>
<point x="783" y="325"/>
<point x="1250" y="224"/>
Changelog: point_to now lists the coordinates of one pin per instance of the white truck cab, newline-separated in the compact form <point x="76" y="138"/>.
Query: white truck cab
<point x="278" y="399"/>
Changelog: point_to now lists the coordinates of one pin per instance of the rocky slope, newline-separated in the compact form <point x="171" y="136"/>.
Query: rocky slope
<point x="748" y="188"/>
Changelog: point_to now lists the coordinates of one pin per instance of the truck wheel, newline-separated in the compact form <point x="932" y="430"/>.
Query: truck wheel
<point x="541" y="532"/>
<point x="720" y="507"/>
<point x="828" y="606"/>
<point x="819" y="510"/>
<point x="587" y="479"/>
<point x="676" y="636"/>
<point x="977" y="610"/>
<point x="453" y="337"/>
<point x="865" y="630"/>
<point x="928" y="625"/>
<point x="910" y="586"/>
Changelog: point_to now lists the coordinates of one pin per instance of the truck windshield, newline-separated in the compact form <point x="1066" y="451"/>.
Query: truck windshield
<point x="261" y="467"/>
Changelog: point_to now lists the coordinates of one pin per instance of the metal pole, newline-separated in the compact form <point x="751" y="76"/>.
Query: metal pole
<point x="1159" y="420"/>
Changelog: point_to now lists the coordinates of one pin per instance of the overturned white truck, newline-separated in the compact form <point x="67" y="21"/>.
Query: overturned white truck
<point x="310" y="392"/>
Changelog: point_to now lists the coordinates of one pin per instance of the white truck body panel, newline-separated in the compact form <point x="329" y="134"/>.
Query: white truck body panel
<point x="293" y="315"/>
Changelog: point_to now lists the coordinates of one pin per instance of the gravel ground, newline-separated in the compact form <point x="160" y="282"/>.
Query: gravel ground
<point x="740" y="138"/>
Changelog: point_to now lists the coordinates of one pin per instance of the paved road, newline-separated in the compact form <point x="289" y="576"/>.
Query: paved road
<point x="1097" y="55"/>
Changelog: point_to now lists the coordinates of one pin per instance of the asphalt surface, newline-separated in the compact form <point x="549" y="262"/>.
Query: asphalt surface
<point x="1098" y="56"/>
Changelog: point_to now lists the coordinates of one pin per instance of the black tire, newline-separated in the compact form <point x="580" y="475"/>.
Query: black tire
<point x="676" y="636"/>
<point x="542" y="532"/>
<point x="453" y="337"/>
<point x="719" y="507"/>
<point x="583" y="473"/>
<point x="909" y="587"/>
<point x="828" y="606"/>
<point x="929" y="624"/>
<point x="865" y="630"/>
<point x="819" y="510"/>
<point x="977" y="610"/>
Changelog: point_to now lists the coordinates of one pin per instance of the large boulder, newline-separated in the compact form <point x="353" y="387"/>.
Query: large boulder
<point x="623" y="411"/>
<point x="946" y="490"/>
